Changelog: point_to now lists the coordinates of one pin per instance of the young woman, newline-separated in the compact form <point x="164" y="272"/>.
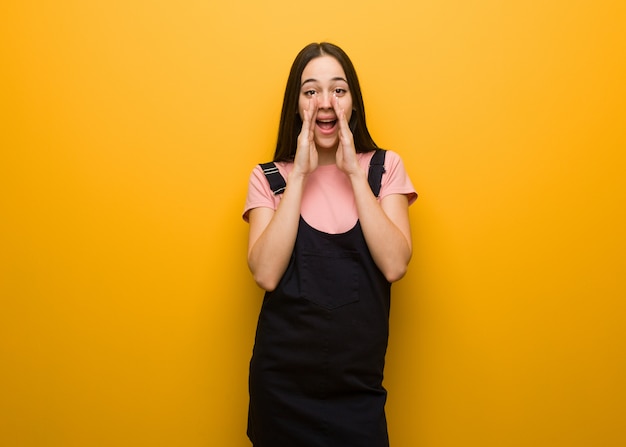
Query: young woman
<point x="329" y="233"/>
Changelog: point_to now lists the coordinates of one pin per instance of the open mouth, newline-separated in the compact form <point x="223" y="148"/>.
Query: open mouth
<point x="326" y="124"/>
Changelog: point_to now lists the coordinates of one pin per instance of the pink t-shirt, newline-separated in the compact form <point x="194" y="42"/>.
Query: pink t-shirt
<point x="328" y="200"/>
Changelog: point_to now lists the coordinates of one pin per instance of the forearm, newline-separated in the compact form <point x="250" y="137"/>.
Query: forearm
<point x="271" y="243"/>
<point x="385" y="227"/>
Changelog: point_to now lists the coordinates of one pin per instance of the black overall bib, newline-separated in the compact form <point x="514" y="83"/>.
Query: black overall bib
<point x="317" y="367"/>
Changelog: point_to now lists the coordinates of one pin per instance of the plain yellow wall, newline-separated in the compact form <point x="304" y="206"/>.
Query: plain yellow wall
<point x="128" y="130"/>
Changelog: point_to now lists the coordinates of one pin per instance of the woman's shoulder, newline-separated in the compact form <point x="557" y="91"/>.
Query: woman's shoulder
<point x="284" y="167"/>
<point x="391" y="157"/>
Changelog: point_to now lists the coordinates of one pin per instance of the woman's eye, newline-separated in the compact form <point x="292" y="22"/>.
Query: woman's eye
<point x="340" y="91"/>
<point x="309" y="93"/>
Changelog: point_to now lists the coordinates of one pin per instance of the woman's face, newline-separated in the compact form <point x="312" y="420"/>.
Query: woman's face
<point x="323" y="82"/>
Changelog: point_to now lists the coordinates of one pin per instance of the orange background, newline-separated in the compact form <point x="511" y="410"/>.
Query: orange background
<point x="128" y="130"/>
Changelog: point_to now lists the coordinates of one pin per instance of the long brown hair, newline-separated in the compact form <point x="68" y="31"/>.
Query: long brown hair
<point x="290" y="121"/>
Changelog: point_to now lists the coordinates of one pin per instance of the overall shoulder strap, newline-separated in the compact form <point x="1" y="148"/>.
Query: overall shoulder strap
<point x="274" y="178"/>
<point x="376" y="171"/>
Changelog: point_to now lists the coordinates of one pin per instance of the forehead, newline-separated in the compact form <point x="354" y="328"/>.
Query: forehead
<point x="322" y="68"/>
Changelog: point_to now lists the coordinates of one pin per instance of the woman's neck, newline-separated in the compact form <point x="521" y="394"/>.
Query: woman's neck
<point x="326" y="157"/>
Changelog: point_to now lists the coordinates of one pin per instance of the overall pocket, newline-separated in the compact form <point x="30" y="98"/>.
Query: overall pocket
<point x="330" y="280"/>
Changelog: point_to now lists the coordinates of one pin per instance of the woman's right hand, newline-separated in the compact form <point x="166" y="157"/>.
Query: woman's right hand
<point x="305" y="160"/>
<point x="273" y="232"/>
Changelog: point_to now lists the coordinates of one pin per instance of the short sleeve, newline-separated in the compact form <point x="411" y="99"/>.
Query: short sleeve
<point x="396" y="180"/>
<point x="259" y="192"/>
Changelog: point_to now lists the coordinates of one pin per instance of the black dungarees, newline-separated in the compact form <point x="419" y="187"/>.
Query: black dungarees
<point x="317" y="367"/>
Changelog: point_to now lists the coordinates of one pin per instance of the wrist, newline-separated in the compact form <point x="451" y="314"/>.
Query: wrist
<point x="296" y="176"/>
<point x="357" y="175"/>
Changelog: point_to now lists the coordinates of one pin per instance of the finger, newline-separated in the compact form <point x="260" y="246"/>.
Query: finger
<point x="306" y="120"/>
<point x="313" y="108"/>
<point x="341" y="115"/>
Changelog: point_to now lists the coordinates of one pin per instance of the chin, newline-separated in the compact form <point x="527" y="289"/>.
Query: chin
<point x="326" y="143"/>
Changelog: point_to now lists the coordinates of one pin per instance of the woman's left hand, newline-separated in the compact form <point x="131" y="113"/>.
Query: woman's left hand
<point x="346" y="153"/>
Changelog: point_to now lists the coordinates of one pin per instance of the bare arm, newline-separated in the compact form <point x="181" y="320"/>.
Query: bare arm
<point x="272" y="234"/>
<point x="385" y="225"/>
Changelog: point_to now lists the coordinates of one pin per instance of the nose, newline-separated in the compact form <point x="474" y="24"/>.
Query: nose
<point x="324" y="100"/>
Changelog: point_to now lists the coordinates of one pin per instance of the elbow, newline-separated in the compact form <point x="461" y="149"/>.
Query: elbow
<point x="262" y="277"/>
<point x="396" y="274"/>
<point x="265" y="282"/>
<point x="395" y="269"/>
<point x="394" y="264"/>
<point x="266" y="277"/>
<point x="265" y="285"/>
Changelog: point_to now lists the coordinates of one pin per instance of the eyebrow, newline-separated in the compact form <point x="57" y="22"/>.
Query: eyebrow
<point x="337" y="78"/>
